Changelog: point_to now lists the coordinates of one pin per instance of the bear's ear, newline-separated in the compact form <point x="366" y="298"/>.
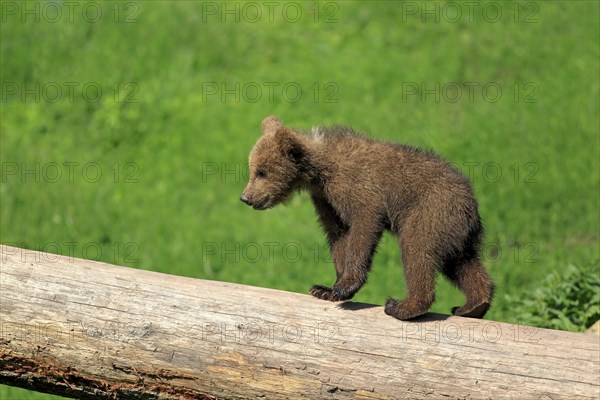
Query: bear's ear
<point x="289" y="145"/>
<point x="270" y="125"/>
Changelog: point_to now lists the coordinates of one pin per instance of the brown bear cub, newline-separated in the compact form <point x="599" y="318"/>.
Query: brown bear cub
<point x="361" y="188"/>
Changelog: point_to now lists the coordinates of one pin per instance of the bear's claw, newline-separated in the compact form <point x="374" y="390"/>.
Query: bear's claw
<point x="321" y="292"/>
<point x="326" y="293"/>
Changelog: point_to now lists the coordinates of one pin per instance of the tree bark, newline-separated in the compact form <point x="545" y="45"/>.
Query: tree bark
<point x="86" y="329"/>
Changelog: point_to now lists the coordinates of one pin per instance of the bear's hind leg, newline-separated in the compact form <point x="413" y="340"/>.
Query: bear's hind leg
<point x="475" y="283"/>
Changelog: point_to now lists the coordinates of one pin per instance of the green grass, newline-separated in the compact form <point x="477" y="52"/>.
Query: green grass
<point x="167" y="210"/>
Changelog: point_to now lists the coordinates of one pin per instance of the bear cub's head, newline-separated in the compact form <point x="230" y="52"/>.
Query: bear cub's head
<point x="275" y="165"/>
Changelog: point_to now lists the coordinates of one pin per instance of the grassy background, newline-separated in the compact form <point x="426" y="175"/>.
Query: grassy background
<point x="172" y="154"/>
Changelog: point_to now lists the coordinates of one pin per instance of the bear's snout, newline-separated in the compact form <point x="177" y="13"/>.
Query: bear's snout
<point x="260" y="204"/>
<point x="245" y="199"/>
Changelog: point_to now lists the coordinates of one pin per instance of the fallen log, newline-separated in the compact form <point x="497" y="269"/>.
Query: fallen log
<point x="86" y="329"/>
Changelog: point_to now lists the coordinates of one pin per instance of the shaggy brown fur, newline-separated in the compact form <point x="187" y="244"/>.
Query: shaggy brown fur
<point x="361" y="188"/>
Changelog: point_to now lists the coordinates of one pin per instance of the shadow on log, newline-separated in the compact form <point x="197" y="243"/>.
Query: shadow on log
<point x="86" y="329"/>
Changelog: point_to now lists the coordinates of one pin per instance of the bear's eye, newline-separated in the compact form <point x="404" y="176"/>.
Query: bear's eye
<point x="261" y="173"/>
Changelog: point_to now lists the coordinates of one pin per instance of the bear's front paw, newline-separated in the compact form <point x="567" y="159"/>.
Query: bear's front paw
<point x="325" y="293"/>
<point x="320" y="292"/>
<point x="339" y="293"/>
